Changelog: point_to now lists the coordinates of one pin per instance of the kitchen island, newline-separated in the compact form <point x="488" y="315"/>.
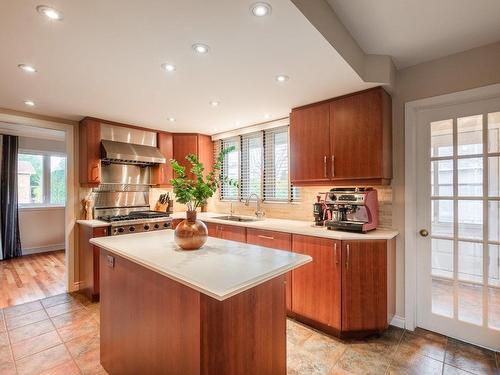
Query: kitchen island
<point x="217" y="310"/>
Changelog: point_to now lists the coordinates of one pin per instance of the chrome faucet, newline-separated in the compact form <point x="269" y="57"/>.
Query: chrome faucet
<point x="231" y="211"/>
<point x="259" y="213"/>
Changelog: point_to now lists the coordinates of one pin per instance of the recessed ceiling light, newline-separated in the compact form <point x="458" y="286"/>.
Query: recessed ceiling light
<point x="215" y="129"/>
<point x="171" y="119"/>
<point x="49" y="12"/>
<point x="200" y="48"/>
<point x="237" y="123"/>
<point x="267" y="115"/>
<point x="168" y="67"/>
<point x="29" y="103"/>
<point x="282" y="78"/>
<point x="27" y="68"/>
<point x="214" y="103"/>
<point x="260" y="9"/>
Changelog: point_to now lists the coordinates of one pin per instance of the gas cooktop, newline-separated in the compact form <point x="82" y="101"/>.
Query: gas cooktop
<point x="134" y="215"/>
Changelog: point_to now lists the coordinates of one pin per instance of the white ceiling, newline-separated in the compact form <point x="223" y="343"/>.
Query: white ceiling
<point x="104" y="58"/>
<point x="414" y="31"/>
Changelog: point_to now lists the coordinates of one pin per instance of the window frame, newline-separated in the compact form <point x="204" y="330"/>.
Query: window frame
<point x="293" y="195"/>
<point x="46" y="179"/>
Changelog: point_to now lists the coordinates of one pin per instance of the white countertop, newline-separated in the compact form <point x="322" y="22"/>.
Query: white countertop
<point x="295" y="226"/>
<point x="93" y="223"/>
<point x="220" y="269"/>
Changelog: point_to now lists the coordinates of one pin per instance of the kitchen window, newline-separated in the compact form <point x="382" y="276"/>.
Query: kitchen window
<point x="260" y="163"/>
<point x="41" y="179"/>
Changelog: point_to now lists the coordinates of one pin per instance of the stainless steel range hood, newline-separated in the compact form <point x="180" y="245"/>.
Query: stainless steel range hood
<point x="130" y="153"/>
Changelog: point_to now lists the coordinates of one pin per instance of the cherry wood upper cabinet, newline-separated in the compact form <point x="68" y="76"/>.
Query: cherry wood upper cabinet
<point x="310" y="144"/>
<point x="163" y="173"/>
<point x="316" y="286"/>
<point x="89" y="152"/>
<point x="360" y="133"/>
<point x="364" y="285"/>
<point x="198" y="144"/>
<point x="345" y="140"/>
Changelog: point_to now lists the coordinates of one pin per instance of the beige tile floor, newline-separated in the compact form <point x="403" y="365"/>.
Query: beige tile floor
<point x="60" y="335"/>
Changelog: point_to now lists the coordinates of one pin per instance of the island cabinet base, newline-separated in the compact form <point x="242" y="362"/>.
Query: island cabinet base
<point x="151" y="324"/>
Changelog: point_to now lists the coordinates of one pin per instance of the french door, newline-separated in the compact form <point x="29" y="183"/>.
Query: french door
<point x="458" y="215"/>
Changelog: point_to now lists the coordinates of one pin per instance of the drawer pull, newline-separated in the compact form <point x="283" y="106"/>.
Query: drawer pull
<point x="336" y="254"/>
<point x="265" y="237"/>
<point x="325" y="167"/>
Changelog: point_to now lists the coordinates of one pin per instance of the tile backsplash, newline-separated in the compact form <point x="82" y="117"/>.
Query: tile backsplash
<point x="303" y="210"/>
<point x="296" y="211"/>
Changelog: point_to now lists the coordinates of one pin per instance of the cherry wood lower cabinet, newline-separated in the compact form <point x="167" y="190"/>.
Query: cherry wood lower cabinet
<point x="348" y="289"/>
<point x="364" y="286"/>
<point x="88" y="260"/>
<point x="174" y="329"/>
<point x="316" y="287"/>
<point x="274" y="240"/>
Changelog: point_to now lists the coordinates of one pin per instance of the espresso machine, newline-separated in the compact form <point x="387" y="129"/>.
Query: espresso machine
<point x="351" y="209"/>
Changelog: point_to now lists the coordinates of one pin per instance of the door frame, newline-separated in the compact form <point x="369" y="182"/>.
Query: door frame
<point x="412" y="113"/>
<point x="72" y="203"/>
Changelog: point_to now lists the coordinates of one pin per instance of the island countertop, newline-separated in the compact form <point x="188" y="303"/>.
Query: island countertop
<point x="221" y="269"/>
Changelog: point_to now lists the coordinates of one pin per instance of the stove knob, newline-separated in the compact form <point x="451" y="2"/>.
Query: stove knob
<point x="157" y="226"/>
<point x="121" y="230"/>
<point x="131" y="229"/>
<point x="166" y="225"/>
<point x="146" y="227"/>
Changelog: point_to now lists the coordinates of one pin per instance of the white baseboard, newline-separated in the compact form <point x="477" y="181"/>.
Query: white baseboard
<point x="398" y="321"/>
<point x="43" y="249"/>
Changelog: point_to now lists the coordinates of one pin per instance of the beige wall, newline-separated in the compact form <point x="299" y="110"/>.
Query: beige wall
<point x="42" y="229"/>
<point x="471" y="69"/>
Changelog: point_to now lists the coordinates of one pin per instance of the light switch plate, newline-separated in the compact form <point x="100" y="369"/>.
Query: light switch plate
<point x="111" y="261"/>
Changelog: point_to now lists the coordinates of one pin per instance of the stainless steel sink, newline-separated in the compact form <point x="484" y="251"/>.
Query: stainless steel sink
<point x="236" y="218"/>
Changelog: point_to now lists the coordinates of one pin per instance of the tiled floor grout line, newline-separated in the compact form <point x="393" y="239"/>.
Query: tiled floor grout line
<point x="59" y="335"/>
<point x="49" y="318"/>
<point x="391" y="359"/>
<point x="10" y="343"/>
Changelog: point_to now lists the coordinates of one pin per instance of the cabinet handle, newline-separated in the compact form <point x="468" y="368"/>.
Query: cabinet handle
<point x="348" y="256"/>
<point x="325" y="166"/>
<point x="95" y="176"/>
<point x="333" y="165"/>
<point x="335" y="253"/>
<point x="265" y="237"/>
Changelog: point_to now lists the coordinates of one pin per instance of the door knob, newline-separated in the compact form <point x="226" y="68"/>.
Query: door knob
<point x="424" y="232"/>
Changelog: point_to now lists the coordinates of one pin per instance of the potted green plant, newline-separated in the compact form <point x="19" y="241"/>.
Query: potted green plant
<point x="191" y="234"/>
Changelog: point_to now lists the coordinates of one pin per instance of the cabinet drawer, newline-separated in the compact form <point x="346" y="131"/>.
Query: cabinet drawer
<point x="212" y="229"/>
<point x="100" y="231"/>
<point x="232" y="233"/>
<point x="268" y="238"/>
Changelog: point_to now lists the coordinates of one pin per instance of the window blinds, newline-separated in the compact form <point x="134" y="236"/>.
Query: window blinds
<point x="260" y="164"/>
<point x="230" y="168"/>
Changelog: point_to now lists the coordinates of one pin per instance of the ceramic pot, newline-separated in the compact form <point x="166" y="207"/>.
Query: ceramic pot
<point x="191" y="234"/>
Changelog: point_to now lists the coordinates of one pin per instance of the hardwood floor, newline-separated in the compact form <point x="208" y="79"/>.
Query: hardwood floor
<point x="31" y="277"/>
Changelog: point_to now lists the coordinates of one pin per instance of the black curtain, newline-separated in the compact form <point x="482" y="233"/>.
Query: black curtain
<point x="9" y="224"/>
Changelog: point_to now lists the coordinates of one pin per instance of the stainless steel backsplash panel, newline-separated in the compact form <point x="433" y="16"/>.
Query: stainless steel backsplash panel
<point x="110" y="199"/>
<point x="125" y="174"/>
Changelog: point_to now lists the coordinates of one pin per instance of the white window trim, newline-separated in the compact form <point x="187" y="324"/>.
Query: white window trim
<point x="46" y="181"/>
